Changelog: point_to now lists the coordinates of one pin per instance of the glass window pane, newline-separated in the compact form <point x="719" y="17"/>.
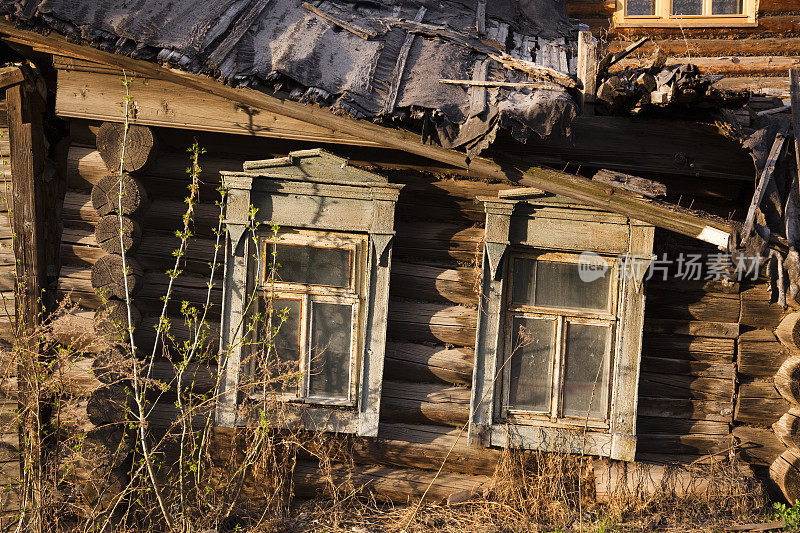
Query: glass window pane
<point x="585" y="371"/>
<point x="727" y="7"/>
<point x="331" y="327"/>
<point x="313" y="265"/>
<point x="640" y="7"/>
<point x="561" y="285"/>
<point x="531" y="382"/>
<point x="286" y="320"/>
<point x="687" y="7"/>
<point x="524" y="281"/>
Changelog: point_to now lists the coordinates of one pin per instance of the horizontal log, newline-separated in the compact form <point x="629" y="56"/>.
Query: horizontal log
<point x="424" y="403"/>
<point x="428" y="447"/>
<point x="787" y="429"/>
<point x="434" y="284"/>
<point x="647" y="425"/>
<point x="759" y="404"/>
<point x="759" y="359"/>
<point x="715" y="307"/>
<point x="420" y="322"/>
<point x="712" y="410"/>
<point x="421" y="363"/>
<point x="708" y="349"/>
<point x="691" y="444"/>
<point x="673" y="386"/>
<point x="757" y="311"/>
<point x="757" y="446"/>
<point x="768" y="25"/>
<point x="644" y="482"/>
<point x="427" y="241"/>
<point x="716" y="47"/>
<point x="396" y="485"/>
<point x="695" y="328"/>
<point x="682" y="367"/>
<point x="770" y="65"/>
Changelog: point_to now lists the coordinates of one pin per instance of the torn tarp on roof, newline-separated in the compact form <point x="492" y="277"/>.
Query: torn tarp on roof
<point x="372" y="59"/>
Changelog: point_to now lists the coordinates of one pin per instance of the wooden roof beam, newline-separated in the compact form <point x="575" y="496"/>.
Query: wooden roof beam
<point x="504" y="168"/>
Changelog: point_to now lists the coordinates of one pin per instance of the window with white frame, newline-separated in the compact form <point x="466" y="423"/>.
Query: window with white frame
<point x="685" y="13"/>
<point x="559" y="330"/>
<point x="308" y="252"/>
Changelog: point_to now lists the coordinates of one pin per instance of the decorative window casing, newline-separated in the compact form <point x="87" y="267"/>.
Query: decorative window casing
<point x="560" y="327"/>
<point x="685" y="13"/>
<point x="325" y="277"/>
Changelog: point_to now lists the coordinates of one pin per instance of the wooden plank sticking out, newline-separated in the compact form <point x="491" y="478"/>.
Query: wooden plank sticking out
<point x="477" y="90"/>
<point x="766" y="176"/>
<point x="480" y="18"/>
<point x="400" y="66"/>
<point x="234" y="36"/>
<point x="355" y="29"/>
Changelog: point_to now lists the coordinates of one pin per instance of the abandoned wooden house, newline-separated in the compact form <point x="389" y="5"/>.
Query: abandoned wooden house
<point x="503" y="233"/>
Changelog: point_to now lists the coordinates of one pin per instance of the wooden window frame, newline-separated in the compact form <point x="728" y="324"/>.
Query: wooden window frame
<point x="314" y="194"/>
<point x="538" y="227"/>
<point x="308" y="294"/>
<point x="563" y="316"/>
<point x="663" y="17"/>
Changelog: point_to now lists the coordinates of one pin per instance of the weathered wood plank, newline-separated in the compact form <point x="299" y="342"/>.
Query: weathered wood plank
<point x="418" y="362"/>
<point x="759" y="404"/>
<point x="97" y="96"/>
<point x="424" y="403"/>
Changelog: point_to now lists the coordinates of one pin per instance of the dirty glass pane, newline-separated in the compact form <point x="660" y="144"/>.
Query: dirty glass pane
<point x="687" y="7"/>
<point x="286" y="320"/>
<point x="313" y="265"/>
<point x="727" y="7"/>
<point x="331" y="326"/>
<point x="640" y="7"/>
<point x="530" y="386"/>
<point x="524" y="281"/>
<point x="585" y="371"/>
<point x="572" y="285"/>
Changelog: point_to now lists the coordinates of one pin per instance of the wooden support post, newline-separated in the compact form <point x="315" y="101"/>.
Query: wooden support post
<point x="24" y="107"/>
<point x="587" y="70"/>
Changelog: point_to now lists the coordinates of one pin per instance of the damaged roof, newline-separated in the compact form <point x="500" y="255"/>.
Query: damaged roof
<point x="370" y="59"/>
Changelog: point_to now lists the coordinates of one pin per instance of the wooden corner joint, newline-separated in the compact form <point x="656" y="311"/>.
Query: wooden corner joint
<point x="11" y="75"/>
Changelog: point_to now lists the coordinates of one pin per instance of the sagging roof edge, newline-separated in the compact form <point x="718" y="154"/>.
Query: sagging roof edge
<point x="515" y="170"/>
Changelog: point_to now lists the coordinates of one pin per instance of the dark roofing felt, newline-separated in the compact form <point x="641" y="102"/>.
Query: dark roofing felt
<point x="284" y="44"/>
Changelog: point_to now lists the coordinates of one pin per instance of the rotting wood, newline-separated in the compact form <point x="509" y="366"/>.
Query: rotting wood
<point x="785" y="472"/>
<point x="10" y="75"/>
<point x="534" y="70"/>
<point x="400" y="66"/>
<point x="787" y="380"/>
<point x="587" y="70"/>
<point x="645" y="187"/>
<point x="355" y="29"/>
<point x="105" y="195"/>
<point x="511" y="84"/>
<point x="787" y="429"/>
<point x="108" y="276"/>
<point x="234" y="35"/>
<point x="107" y="234"/>
<point x="766" y="177"/>
<point x="788" y="332"/>
<point x="140" y="146"/>
<point x="401" y="486"/>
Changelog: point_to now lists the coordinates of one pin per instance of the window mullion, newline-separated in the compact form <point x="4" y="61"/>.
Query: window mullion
<point x="558" y="356"/>
<point x="707" y="7"/>
<point x="305" y="342"/>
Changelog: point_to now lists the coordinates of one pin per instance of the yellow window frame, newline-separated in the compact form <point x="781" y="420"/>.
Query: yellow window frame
<point x="663" y="17"/>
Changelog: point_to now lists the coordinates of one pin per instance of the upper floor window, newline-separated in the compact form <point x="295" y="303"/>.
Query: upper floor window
<point x="685" y="13"/>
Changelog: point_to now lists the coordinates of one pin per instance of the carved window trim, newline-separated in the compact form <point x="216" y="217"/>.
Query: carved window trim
<point x="310" y="191"/>
<point x="516" y="227"/>
<point x="663" y="17"/>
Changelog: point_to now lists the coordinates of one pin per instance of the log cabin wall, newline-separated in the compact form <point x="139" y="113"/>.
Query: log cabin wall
<point x="751" y="57"/>
<point x="690" y="404"/>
